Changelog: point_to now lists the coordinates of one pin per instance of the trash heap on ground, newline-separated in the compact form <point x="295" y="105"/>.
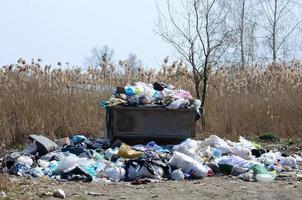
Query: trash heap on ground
<point x="79" y="158"/>
<point x="152" y="95"/>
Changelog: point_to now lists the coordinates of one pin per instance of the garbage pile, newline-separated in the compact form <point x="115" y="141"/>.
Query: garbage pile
<point x="151" y="95"/>
<point x="77" y="158"/>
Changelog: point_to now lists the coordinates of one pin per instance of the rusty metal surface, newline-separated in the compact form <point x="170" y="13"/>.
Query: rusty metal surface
<point x="136" y="125"/>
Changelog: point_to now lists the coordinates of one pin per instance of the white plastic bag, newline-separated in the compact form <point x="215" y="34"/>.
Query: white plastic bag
<point x="245" y="143"/>
<point x="288" y="161"/>
<point x="25" y="160"/>
<point x="114" y="173"/>
<point x="111" y="152"/>
<point x="242" y="152"/>
<point x="189" y="147"/>
<point x="68" y="164"/>
<point x="43" y="163"/>
<point x="235" y="161"/>
<point x="217" y="142"/>
<point x="188" y="165"/>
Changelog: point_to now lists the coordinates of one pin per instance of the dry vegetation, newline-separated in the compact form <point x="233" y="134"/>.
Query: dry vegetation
<point x="59" y="102"/>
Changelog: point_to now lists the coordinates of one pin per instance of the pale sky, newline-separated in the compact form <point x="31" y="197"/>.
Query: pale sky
<point x="67" y="30"/>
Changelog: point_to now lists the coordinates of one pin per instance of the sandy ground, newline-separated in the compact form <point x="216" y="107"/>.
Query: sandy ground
<point x="225" y="187"/>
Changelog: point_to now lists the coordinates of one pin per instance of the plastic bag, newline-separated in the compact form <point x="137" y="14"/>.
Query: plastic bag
<point x="114" y="173"/>
<point x="179" y="103"/>
<point x="261" y="174"/>
<point x="136" y="171"/>
<point x="245" y="143"/>
<point x="25" y="160"/>
<point x="177" y="175"/>
<point x="43" y="163"/>
<point x="189" y="148"/>
<point x="217" y="142"/>
<point x="235" y="161"/>
<point x="242" y="152"/>
<point x="68" y="164"/>
<point x="37" y="172"/>
<point x="130" y="91"/>
<point x="188" y="165"/>
<point x="111" y="152"/>
<point x="152" y="145"/>
<point x="182" y="94"/>
<point x="288" y="161"/>
<point x="78" y="139"/>
<point x="126" y="151"/>
<point x="31" y="148"/>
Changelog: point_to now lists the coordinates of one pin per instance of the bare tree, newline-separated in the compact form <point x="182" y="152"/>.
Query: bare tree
<point x="279" y="23"/>
<point x="198" y="31"/>
<point x="244" y="25"/>
<point x="134" y="63"/>
<point x="100" y="57"/>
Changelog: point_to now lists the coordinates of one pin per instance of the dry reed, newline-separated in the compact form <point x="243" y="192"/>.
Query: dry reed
<point x="60" y="102"/>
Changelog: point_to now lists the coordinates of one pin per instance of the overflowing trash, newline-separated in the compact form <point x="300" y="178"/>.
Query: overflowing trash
<point x="83" y="159"/>
<point x="156" y="94"/>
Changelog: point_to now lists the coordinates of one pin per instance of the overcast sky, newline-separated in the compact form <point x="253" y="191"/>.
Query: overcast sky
<point x="67" y="30"/>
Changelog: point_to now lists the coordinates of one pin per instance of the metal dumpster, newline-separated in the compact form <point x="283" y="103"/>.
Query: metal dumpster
<point x="139" y="125"/>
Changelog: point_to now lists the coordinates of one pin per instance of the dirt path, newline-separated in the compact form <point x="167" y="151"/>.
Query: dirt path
<point x="208" y="188"/>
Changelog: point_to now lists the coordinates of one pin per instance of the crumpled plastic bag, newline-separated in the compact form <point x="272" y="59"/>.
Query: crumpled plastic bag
<point x="179" y="103"/>
<point x="245" y="143"/>
<point x="116" y="101"/>
<point x="25" y="160"/>
<point x="235" y="161"/>
<point x="37" y="172"/>
<point x="217" y="142"/>
<point x="114" y="173"/>
<point x="158" y="149"/>
<point x="126" y="151"/>
<point x="68" y="164"/>
<point x="138" y="171"/>
<point x="189" y="147"/>
<point x="261" y="174"/>
<point x="188" y="165"/>
<point x="177" y="175"/>
<point x="242" y="152"/>
<point x="109" y="153"/>
<point x="288" y="161"/>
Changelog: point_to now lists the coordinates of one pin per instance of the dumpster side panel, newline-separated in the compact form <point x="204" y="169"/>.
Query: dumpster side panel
<point x="140" y="125"/>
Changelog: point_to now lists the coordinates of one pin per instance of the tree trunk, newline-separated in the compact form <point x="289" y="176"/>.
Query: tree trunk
<point x="242" y="15"/>
<point x="274" y="47"/>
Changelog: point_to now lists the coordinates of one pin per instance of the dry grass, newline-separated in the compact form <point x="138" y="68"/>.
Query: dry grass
<point x="56" y="102"/>
<point x="6" y="184"/>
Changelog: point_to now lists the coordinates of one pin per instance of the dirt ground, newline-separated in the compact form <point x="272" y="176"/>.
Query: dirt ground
<point x="217" y="187"/>
<point x="223" y="187"/>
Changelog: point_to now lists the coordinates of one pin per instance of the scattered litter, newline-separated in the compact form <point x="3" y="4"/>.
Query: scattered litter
<point x="142" y="181"/>
<point x="2" y="194"/>
<point x="44" y="145"/>
<point x="177" y="175"/>
<point x="87" y="159"/>
<point x="299" y="177"/>
<point x="93" y="193"/>
<point x="59" y="194"/>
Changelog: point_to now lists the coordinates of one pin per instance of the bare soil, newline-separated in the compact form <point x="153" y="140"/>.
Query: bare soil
<point x="223" y="187"/>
